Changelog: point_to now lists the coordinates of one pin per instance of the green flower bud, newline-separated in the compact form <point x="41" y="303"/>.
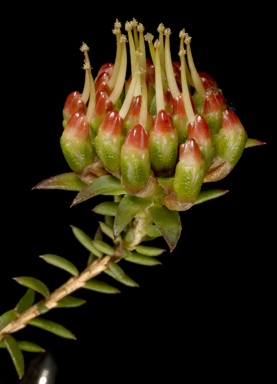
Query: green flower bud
<point x="135" y="160"/>
<point x="109" y="140"/>
<point x="163" y="145"/>
<point x="75" y="143"/>
<point x="229" y="145"/>
<point x="188" y="178"/>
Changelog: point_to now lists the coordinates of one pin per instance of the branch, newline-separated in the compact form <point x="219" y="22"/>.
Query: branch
<point x="70" y="286"/>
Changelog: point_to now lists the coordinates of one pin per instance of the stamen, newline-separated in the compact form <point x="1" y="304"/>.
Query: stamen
<point x="197" y="83"/>
<point x="130" y="94"/>
<point x="132" y="48"/>
<point x="122" y="71"/>
<point x="161" y="29"/>
<point x="171" y="80"/>
<point x="116" y="67"/>
<point x="143" y="108"/>
<point x="149" y="38"/>
<point x="86" y="90"/>
<point x="158" y="79"/>
<point x="185" y="89"/>
<point x="182" y="36"/>
<point x="135" y="33"/>
<point x="91" y="104"/>
<point x="140" y="29"/>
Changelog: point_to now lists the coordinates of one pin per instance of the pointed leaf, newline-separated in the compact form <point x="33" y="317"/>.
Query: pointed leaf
<point x="106" y="208"/>
<point x="33" y="283"/>
<point x="70" y="302"/>
<point x="152" y="231"/>
<point x="51" y="326"/>
<point x="149" y="251"/>
<point x="168" y="222"/>
<point x="108" y="230"/>
<point x="116" y="272"/>
<point x="60" y="262"/>
<point x="209" y="195"/>
<point x="136" y="258"/>
<point x="104" y="247"/>
<point x="128" y="207"/>
<point x="253" y="143"/>
<point x="66" y="181"/>
<point x="86" y="241"/>
<point x="100" y="286"/>
<point x="26" y="301"/>
<point x="28" y="346"/>
<point x="7" y="317"/>
<point x="15" y="353"/>
<point x="104" y="185"/>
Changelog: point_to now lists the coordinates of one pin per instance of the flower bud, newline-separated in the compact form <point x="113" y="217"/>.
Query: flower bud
<point x="199" y="131"/>
<point x="73" y="104"/>
<point x="189" y="173"/>
<point x="229" y="145"/>
<point x="180" y="119"/>
<point x="102" y="106"/>
<point x="135" y="160"/>
<point x="109" y="140"/>
<point x="75" y="143"/>
<point x="212" y="108"/>
<point x="163" y="145"/>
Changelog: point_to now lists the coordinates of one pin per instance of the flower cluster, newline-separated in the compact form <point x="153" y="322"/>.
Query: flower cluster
<point x="166" y="127"/>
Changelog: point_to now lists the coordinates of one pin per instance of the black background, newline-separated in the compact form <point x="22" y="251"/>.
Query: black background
<point x="207" y="309"/>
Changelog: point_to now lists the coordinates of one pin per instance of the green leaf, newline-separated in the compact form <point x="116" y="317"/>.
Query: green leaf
<point x="28" y="346"/>
<point x="116" y="272"/>
<point x="168" y="222"/>
<point x="149" y="251"/>
<point x="25" y="346"/>
<point x="152" y="231"/>
<point x="15" y="353"/>
<point x="100" y="286"/>
<point x="70" y="302"/>
<point x="128" y="207"/>
<point x="253" y="143"/>
<point x="26" y="301"/>
<point x="108" y="230"/>
<point x="7" y="317"/>
<point x="86" y="241"/>
<point x="104" y="247"/>
<point x="60" y="262"/>
<point x="106" y="208"/>
<point x="136" y="258"/>
<point x="104" y="185"/>
<point x="66" y="181"/>
<point x="51" y="326"/>
<point x="33" y="283"/>
<point x="209" y="195"/>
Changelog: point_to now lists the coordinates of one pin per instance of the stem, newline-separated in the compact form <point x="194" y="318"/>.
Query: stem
<point x="70" y="286"/>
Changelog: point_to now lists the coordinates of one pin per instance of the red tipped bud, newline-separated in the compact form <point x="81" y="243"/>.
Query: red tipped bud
<point x="180" y="119"/>
<point x="163" y="145"/>
<point x="75" y="143"/>
<point x="230" y="143"/>
<point x="102" y="106"/>
<point x="189" y="174"/>
<point x="109" y="140"/>
<point x="73" y="104"/>
<point x="212" y="108"/>
<point x="135" y="161"/>
<point x="199" y="130"/>
<point x="133" y="114"/>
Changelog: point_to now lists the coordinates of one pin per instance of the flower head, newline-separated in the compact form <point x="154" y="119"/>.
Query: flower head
<point x="151" y="119"/>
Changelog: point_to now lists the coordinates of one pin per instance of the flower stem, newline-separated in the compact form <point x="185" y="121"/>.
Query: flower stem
<point x="67" y="288"/>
